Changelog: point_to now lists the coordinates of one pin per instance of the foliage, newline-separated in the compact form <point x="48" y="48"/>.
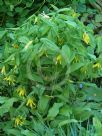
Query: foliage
<point x="14" y="13"/>
<point x="47" y="83"/>
<point x="91" y="13"/>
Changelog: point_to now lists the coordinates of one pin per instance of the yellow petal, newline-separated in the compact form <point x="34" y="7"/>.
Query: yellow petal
<point x="3" y="70"/>
<point x="59" y="59"/>
<point x="97" y="65"/>
<point x="86" y="38"/>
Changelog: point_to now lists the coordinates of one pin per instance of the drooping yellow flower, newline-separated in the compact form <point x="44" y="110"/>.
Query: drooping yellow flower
<point x="74" y="14"/>
<point x="59" y="59"/>
<point x="3" y="70"/>
<point x="19" y="121"/>
<point x="10" y="79"/>
<point x="45" y="53"/>
<point x="30" y="103"/>
<point x="76" y="59"/>
<point x="60" y="41"/>
<point x="83" y="70"/>
<point x="97" y="65"/>
<point x="86" y="38"/>
<point x="15" y="46"/>
<point x="21" y="91"/>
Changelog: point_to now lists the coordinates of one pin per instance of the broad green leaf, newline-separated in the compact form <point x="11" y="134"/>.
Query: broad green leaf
<point x="54" y="7"/>
<point x="43" y="104"/>
<point x="49" y="44"/>
<point x="98" y="18"/>
<point x="93" y="57"/>
<point x="3" y="99"/>
<point x="11" y="57"/>
<point x="2" y="33"/>
<point x="64" y="10"/>
<point x="71" y="23"/>
<point x="97" y="123"/>
<point x="67" y="122"/>
<point x="75" y="67"/>
<point x="13" y="132"/>
<point x="99" y="44"/>
<point x="44" y="30"/>
<point x="93" y="93"/>
<point x="81" y="113"/>
<point x="7" y="105"/>
<point x="1" y="2"/>
<point x="82" y="1"/>
<point x="34" y="77"/>
<point x="24" y="39"/>
<point x="54" y="110"/>
<point x="66" y="111"/>
<point x="27" y="133"/>
<point x="66" y="53"/>
<point x="98" y="126"/>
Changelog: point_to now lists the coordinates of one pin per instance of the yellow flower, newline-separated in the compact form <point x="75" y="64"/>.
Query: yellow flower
<point x="86" y="38"/>
<point x="21" y="91"/>
<point x="60" y="41"/>
<point x="59" y="59"/>
<point x="31" y="103"/>
<point x="97" y="65"/>
<point x="74" y="14"/>
<point x="84" y="70"/>
<point x="3" y="70"/>
<point x="45" y="53"/>
<point x="10" y="79"/>
<point x="76" y="59"/>
<point x="15" y="46"/>
<point x="19" y="121"/>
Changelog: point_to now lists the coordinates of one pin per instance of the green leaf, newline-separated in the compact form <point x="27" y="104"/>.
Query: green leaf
<point x="54" y="110"/>
<point x="66" y="111"/>
<point x="27" y="133"/>
<point x="98" y="18"/>
<point x="93" y="93"/>
<point x="64" y="10"/>
<point x="2" y="33"/>
<point x="81" y="113"/>
<point x="44" y="30"/>
<point x="99" y="44"/>
<point x="43" y="104"/>
<point x="11" y="57"/>
<point x="98" y="126"/>
<point x="48" y="43"/>
<point x="71" y="23"/>
<point x="13" y="132"/>
<point x="54" y="7"/>
<point x="7" y="105"/>
<point x="93" y="57"/>
<point x="82" y="1"/>
<point x="97" y="123"/>
<point x="75" y="67"/>
<point x="3" y="99"/>
<point x="19" y="9"/>
<point x="34" y="77"/>
<point x="23" y="39"/>
<point x="62" y="123"/>
<point x="66" y="53"/>
<point x="1" y="2"/>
